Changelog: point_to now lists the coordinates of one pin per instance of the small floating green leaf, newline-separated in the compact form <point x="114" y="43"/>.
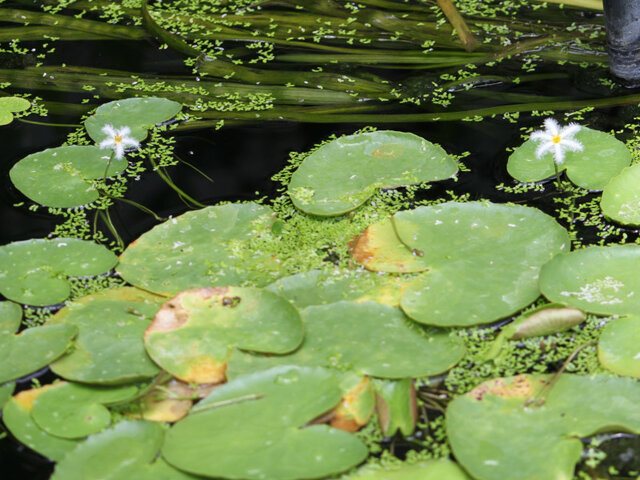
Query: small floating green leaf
<point x="602" y="280"/>
<point x="35" y="271"/>
<point x="6" y="391"/>
<point x="602" y="158"/>
<point x="342" y="174"/>
<point x="430" y="470"/>
<point x="61" y="177"/>
<point x="109" y="347"/>
<point x="396" y="405"/>
<point x="619" y="346"/>
<point x="523" y="428"/>
<point x="11" y="105"/>
<point x="71" y="410"/>
<point x="249" y="427"/>
<point x="200" y="248"/>
<point x="621" y="197"/>
<point x="192" y="335"/>
<point x="139" y="114"/>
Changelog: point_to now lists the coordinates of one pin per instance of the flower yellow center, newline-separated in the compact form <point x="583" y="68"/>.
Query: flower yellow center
<point x="118" y="139"/>
<point x="556" y="139"/>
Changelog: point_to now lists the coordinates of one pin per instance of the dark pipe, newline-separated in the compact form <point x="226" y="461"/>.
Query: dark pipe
<point x="623" y="33"/>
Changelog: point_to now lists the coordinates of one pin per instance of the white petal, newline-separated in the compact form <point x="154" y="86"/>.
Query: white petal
<point x="119" y="151"/>
<point x="541" y="135"/>
<point x="543" y="148"/>
<point x="107" y="143"/>
<point x="130" y="142"/>
<point x="109" y="130"/>
<point x="572" y="144"/>
<point x="551" y="126"/>
<point x="124" y="131"/>
<point x="570" y="130"/>
<point x="558" y="154"/>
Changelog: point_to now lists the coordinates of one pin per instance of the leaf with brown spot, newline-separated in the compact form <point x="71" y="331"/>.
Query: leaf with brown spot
<point x="356" y="406"/>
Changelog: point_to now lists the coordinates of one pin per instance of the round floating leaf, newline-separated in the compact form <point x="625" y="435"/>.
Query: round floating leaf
<point x="6" y="391"/>
<point x="483" y="260"/>
<point x="251" y="428"/>
<point x="10" y="318"/>
<point x="497" y="432"/>
<point x="16" y="416"/>
<point x="320" y="288"/>
<point x="621" y="198"/>
<point x="139" y="114"/>
<point x="619" y="346"/>
<point x="192" y="335"/>
<point x="201" y="248"/>
<point x="342" y="174"/>
<point x="10" y="105"/>
<point x="71" y="410"/>
<point x="33" y="349"/>
<point x="370" y="338"/>
<point x="109" y="347"/>
<point x="602" y="158"/>
<point x="61" y="177"/>
<point x="431" y="470"/>
<point x="34" y="271"/>
<point x="601" y="280"/>
<point x="378" y="248"/>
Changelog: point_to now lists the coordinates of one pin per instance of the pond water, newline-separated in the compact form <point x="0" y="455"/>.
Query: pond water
<point x="241" y="157"/>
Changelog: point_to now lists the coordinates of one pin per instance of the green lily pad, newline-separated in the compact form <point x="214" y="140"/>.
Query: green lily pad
<point x="193" y="334"/>
<point x="602" y="158"/>
<point x="109" y="348"/>
<point x="620" y="197"/>
<point x="6" y="391"/>
<point x="320" y="288"/>
<point x="252" y="428"/>
<point x="61" y="177"/>
<point x="16" y="416"/>
<point x="600" y="280"/>
<point x="139" y="114"/>
<point x="430" y="470"/>
<point x="200" y="248"/>
<point x="396" y="405"/>
<point x="483" y="260"/>
<point x="10" y="105"/>
<point x="342" y="174"/>
<point x="496" y="431"/>
<point x="367" y="337"/>
<point x="619" y="346"/>
<point x="35" y="271"/>
<point x="71" y="410"/>
<point x="32" y="349"/>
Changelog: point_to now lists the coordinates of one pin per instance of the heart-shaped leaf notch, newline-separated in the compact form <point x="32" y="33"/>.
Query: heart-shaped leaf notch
<point x="11" y="105"/>
<point x="342" y="174"/>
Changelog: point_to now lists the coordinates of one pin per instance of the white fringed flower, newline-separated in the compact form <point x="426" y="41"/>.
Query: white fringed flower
<point x="557" y="140"/>
<point x="118" y="139"/>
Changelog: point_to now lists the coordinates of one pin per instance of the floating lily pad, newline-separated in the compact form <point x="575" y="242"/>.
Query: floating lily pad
<point x="201" y="248"/>
<point x="16" y="416"/>
<point x="320" y="288"/>
<point x="483" y="260"/>
<point x="602" y="158"/>
<point x="35" y="271"/>
<point x="109" y="347"/>
<point x="6" y="391"/>
<point x="601" y="280"/>
<point x="378" y="248"/>
<point x="32" y="349"/>
<point x="367" y="337"/>
<point x="344" y="173"/>
<point x="357" y="405"/>
<point x="251" y="428"/>
<point x="193" y="334"/>
<point x="61" y="177"/>
<point x="430" y="470"/>
<point x="396" y="405"/>
<point x="621" y="198"/>
<point x="127" y="451"/>
<point x="523" y="428"/>
<point x="71" y="410"/>
<point x="11" y="105"/>
<point x="619" y="346"/>
<point x="139" y="114"/>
